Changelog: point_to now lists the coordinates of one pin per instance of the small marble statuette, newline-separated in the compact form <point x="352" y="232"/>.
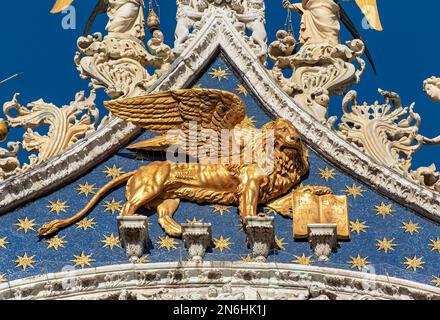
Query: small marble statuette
<point x="260" y="236"/>
<point x="197" y="238"/>
<point x="323" y="240"/>
<point x="133" y="232"/>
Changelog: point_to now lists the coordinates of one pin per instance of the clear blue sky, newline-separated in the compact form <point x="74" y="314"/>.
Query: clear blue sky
<point x="406" y="53"/>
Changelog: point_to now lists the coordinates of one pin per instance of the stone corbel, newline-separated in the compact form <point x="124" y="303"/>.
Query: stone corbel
<point x="197" y="238"/>
<point x="323" y="240"/>
<point x="260" y="236"/>
<point x="133" y="232"/>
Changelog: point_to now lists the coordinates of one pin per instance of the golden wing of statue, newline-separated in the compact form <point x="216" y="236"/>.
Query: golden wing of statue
<point x="200" y="109"/>
<point x="371" y="12"/>
<point x="60" y="5"/>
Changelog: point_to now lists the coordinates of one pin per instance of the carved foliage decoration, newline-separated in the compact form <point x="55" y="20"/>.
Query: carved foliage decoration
<point x="65" y="126"/>
<point x="389" y="133"/>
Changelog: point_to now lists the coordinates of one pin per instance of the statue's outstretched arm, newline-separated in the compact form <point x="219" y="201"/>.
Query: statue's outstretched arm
<point x="294" y="6"/>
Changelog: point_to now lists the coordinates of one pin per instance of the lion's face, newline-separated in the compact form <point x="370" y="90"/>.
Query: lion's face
<point x="287" y="136"/>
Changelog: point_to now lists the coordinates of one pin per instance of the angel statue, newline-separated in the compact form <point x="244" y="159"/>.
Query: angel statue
<point x="320" y="19"/>
<point x="162" y="185"/>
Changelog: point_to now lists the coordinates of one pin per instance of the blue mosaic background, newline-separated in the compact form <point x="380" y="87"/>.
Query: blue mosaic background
<point x="422" y="245"/>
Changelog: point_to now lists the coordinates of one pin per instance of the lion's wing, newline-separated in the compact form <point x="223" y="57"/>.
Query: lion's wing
<point x="197" y="109"/>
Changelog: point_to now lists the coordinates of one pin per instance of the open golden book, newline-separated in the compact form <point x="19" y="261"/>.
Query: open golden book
<point x="313" y="209"/>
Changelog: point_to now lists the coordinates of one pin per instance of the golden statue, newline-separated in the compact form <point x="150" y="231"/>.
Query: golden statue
<point x="162" y="185"/>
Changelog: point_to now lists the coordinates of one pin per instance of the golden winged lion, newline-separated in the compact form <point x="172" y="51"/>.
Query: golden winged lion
<point x="163" y="185"/>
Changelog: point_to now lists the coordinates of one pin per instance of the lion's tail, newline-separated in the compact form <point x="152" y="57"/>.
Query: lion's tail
<point x="54" y="226"/>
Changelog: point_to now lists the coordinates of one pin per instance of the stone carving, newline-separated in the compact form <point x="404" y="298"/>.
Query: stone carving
<point x="134" y="236"/>
<point x="388" y="133"/>
<point x="260" y="236"/>
<point x="66" y="125"/>
<point x="274" y="281"/>
<point x="319" y="70"/>
<point x="244" y="15"/>
<point x="323" y="240"/>
<point x="117" y="63"/>
<point x="431" y="87"/>
<point x="197" y="238"/>
<point x="323" y="67"/>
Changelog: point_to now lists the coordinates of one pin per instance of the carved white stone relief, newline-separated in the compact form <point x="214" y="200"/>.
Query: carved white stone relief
<point x="197" y="238"/>
<point x="323" y="240"/>
<point x="66" y="125"/>
<point x="133" y="232"/>
<point x="117" y="63"/>
<point x="249" y="15"/>
<point x="388" y="133"/>
<point x="260" y="236"/>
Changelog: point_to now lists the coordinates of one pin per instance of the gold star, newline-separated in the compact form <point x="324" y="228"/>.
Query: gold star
<point x="327" y="174"/>
<point x="86" y="189"/>
<point x="25" y="225"/>
<point x="410" y="227"/>
<point x="110" y="242"/>
<point x="86" y="224"/>
<point x="112" y="206"/>
<point x="385" y="245"/>
<point x="303" y="260"/>
<point x="384" y="210"/>
<point x="219" y="73"/>
<point x="143" y="260"/>
<point x="435" y="245"/>
<point x="354" y="191"/>
<point x="221" y="209"/>
<point x="167" y="243"/>
<point x="3" y="242"/>
<point x="56" y="243"/>
<point x="222" y="243"/>
<point x="241" y="89"/>
<point x="358" y="227"/>
<point x="194" y="221"/>
<point x="436" y="281"/>
<point x="248" y="122"/>
<point x="2" y="278"/>
<point x="358" y="262"/>
<point x="83" y="260"/>
<point x="247" y="259"/>
<point x="414" y="263"/>
<point x="57" y="207"/>
<point x="25" y="262"/>
<point x="113" y="172"/>
<point x="280" y="243"/>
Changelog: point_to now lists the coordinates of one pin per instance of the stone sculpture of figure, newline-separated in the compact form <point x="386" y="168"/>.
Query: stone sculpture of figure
<point x="254" y="20"/>
<point x="320" y="21"/>
<point x="188" y="13"/>
<point x="126" y="17"/>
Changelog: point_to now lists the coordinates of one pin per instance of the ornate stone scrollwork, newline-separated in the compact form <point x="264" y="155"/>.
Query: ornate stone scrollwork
<point x="318" y="70"/>
<point x="66" y="125"/>
<point x="197" y="238"/>
<point x="260" y="236"/>
<point x="134" y="236"/>
<point x="244" y="15"/>
<point x="388" y="133"/>
<point x="323" y="240"/>
<point x="117" y="63"/>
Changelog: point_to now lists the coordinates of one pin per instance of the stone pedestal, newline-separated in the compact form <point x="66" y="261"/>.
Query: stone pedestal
<point x="133" y="232"/>
<point x="197" y="238"/>
<point x="260" y="236"/>
<point x="323" y="240"/>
